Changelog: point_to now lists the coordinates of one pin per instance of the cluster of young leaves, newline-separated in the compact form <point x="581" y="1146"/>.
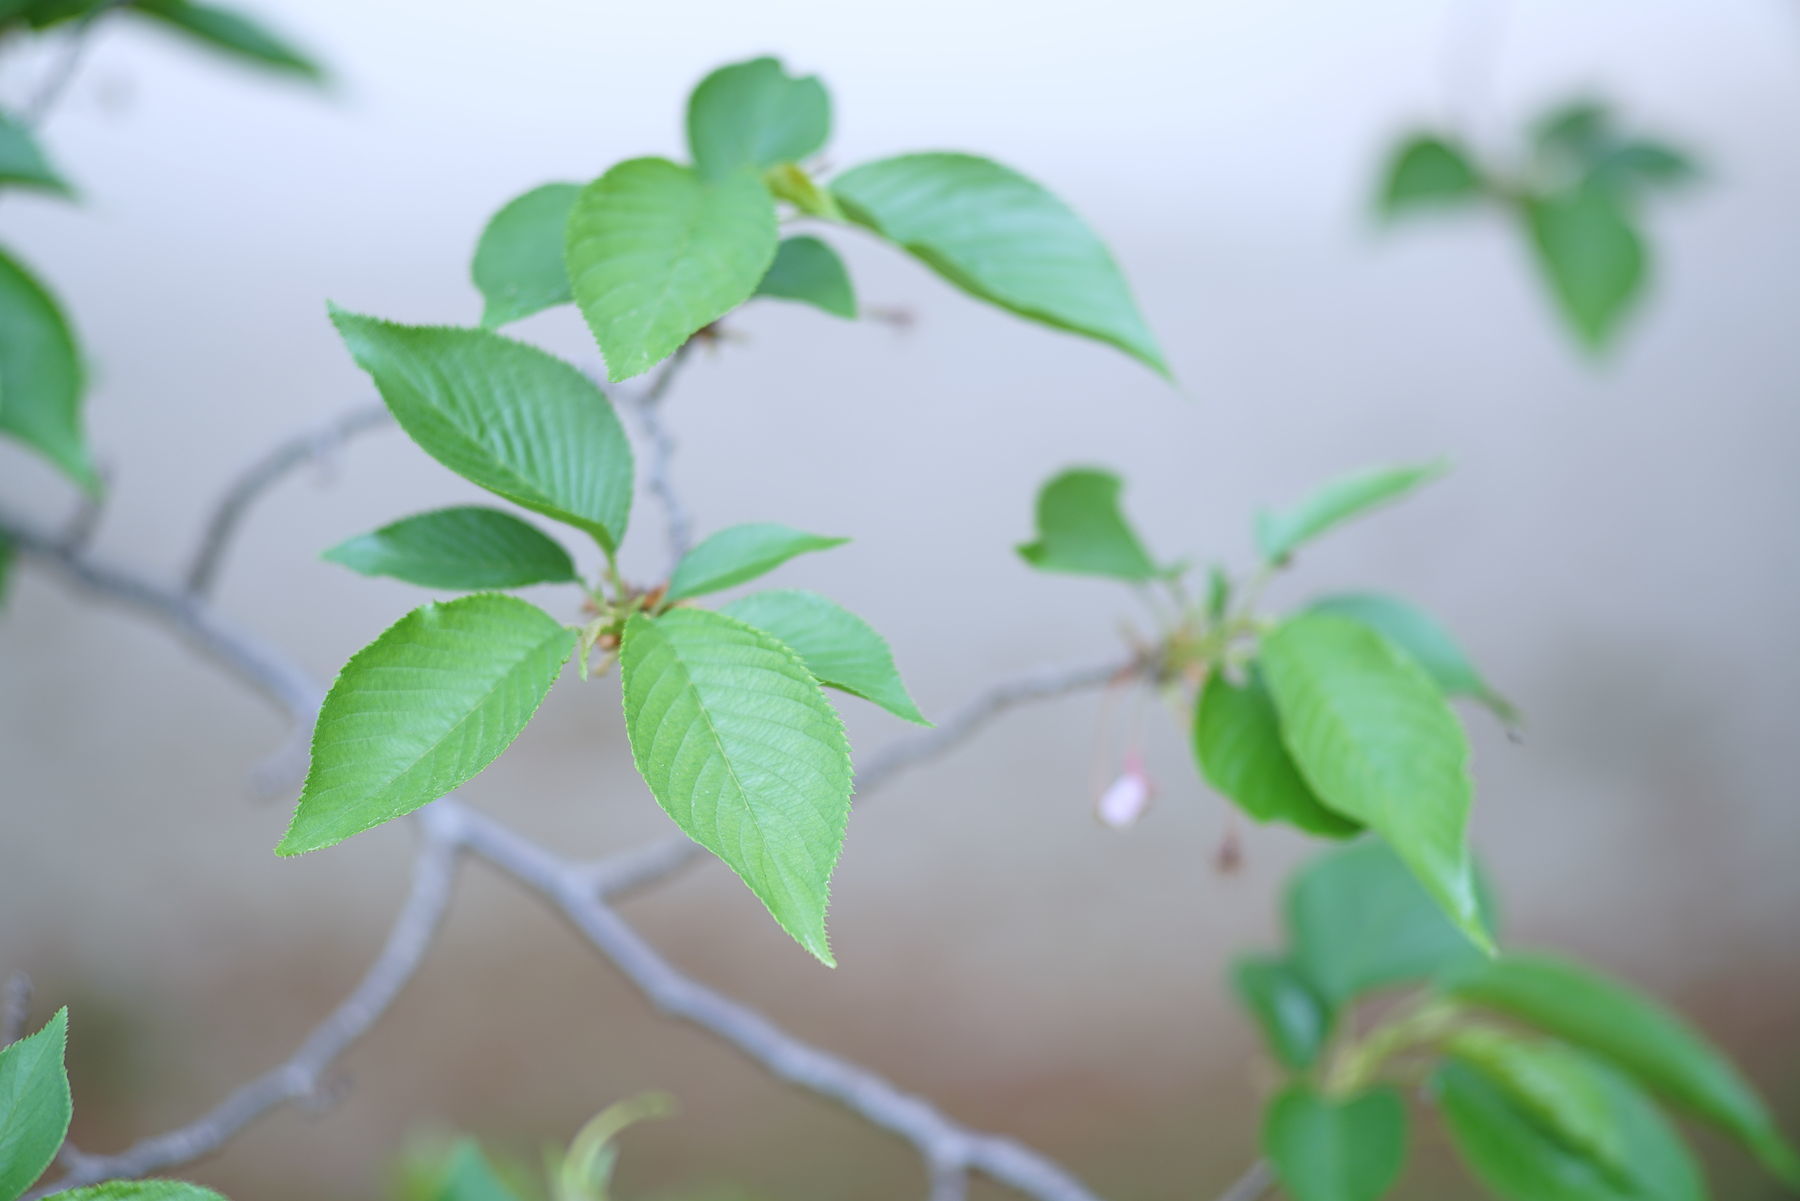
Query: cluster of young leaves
<point x="35" y="1108"/>
<point x="1577" y="200"/>
<point x="1549" y="1076"/>
<point x="723" y="708"/>
<point x="1333" y="719"/>
<point x="42" y="374"/>
<point x="582" y="1171"/>
<point x="654" y="250"/>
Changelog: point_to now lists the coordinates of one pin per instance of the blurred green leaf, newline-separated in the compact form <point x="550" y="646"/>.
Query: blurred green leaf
<point x="41" y="378"/>
<point x="1294" y="1018"/>
<point x="422" y="710"/>
<point x="503" y="415"/>
<point x="839" y="648"/>
<point x="1358" y="920"/>
<point x="465" y="549"/>
<point x="1519" y="1159"/>
<point x="754" y="114"/>
<point x="232" y="33"/>
<point x="1428" y="174"/>
<point x="34" y="1105"/>
<point x="807" y="270"/>
<point x="1420" y="636"/>
<point x="1591" y="256"/>
<point x="470" y="1177"/>
<point x="1081" y="530"/>
<point x="742" y="750"/>
<point x="655" y="253"/>
<point x="138" y="1190"/>
<point x="1553" y="1083"/>
<point x="1336" y="1150"/>
<point x="1280" y="534"/>
<point x="518" y="263"/>
<point x="1635" y="1033"/>
<point x="1003" y="239"/>
<point x="739" y="554"/>
<point x="1237" y="742"/>
<point x="22" y="161"/>
<point x="1377" y="743"/>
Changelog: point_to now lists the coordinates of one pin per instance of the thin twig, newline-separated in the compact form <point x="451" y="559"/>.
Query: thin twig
<point x="308" y="446"/>
<point x="305" y="1072"/>
<point x="945" y="1145"/>
<point x="658" y="473"/>
<point x="36" y="110"/>
<point x="1253" y="1185"/>
<point x="15" y="1009"/>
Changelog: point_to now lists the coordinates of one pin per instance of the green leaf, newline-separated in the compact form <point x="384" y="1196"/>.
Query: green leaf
<point x="1635" y="1033"/>
<point x="139" y="1190"/>
<point x="1294" y="1018"/>
<point x="1553" y="1083"/>
<point x="519" y="422"/>
<point x="1280" y="534"/>
<point x="1428" y="174"/>
<point x="1591" y="256"/>
<point x="740" y="553"/>
<point x="1643" y="163"/>
<point x="754" y="114"/>
<point x="1336" y="1150"/>
<point x="1377" y="742"/>
<point x="1237" y="742"/>
<point x="1358" y="920"/>
<point x="519" y="260"/>
<point x="1430" y="645"/>
<point x="1519" y="1159"/>
<point x="585" y="1172"/>
<point x="422" y="710"/>
<point x="470" y="1177"/>
<point x="22" y="162"/>
<point x="41" y="380"/>
<point x="232" y="33"/>
<point x="1576" y="130"/>
<point x="807" y="270"/>
<point x="840" y="649"/>
<point x="1003" y="239"/>
<point x="34" y="1105"/>
<point x="1082" y="532"/>
<point x="655" y="253"/>
<point x="742" y="750"/>
<point x="465" y="549"/>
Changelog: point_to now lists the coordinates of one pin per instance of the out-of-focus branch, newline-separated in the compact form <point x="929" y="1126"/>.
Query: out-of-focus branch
<point x="37" y="109"/>
<point x="15" y="1008"/>
<point x="1253" y="1185"/>
<point x="304" y="1073"/>
<point x="950" y="1151"/>
<point x="282" y="460"/>
<point x="660" y="444"/>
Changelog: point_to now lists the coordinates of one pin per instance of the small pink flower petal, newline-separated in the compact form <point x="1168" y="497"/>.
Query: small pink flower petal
<point x="1125" y="800"/>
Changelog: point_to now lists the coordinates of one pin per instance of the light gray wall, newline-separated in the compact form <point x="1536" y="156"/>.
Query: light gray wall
<point x="1615" y="546"/>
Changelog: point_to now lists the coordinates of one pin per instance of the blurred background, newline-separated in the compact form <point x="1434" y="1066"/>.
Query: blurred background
<point x="1614" y="547"/>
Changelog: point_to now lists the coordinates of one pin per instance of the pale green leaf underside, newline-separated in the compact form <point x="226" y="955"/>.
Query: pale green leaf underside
<point x="741" y="553"/>
<point x="1336" y="1150"/>
<point x="1359" y="920"/>
<point x="1520" y="1159"/>
<point x="139" y="1190"/>
<point x="1280" y="534"/>
<point x="464" y="549"/>
<point x="754" y="114"/>
<point x="1420" y="636"/>
<point x="1635" y="1033"/>
<point x="423" y="709"/>
<point x="1378" y="743"/>
<point x="1553" y="1083"/>
<point x="41" y="382"/>
<point x="840" y="649"/>
<point x="1293" y="1017"/>
<point x="232" y="33"/>
<point x="518" y="263"/>
<point x="742" y="750"/>
<point x="1428" y="173"/>
<point x="1591" y="256"/>
<point x="22" y="161"/>
<point x="1237" y="740"/>
<point x="1002" y="238"/>
<point x="34" y="1105"/>
<point x="519" y="422"/>
<point x="1081" y="530"/>
<point x="809" y="271"/>
<point x="654" y="253"/>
